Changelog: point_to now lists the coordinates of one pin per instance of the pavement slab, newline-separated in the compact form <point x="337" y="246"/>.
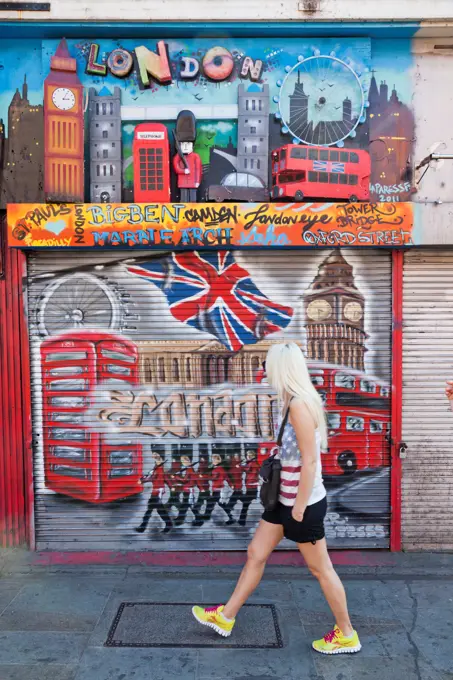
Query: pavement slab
<point x="44" y="648"/>
<point x="54" y="623"/>
<point x="268" y="592"/>
<point x="137" y="664"/>
<point x="293" y="662"/>
<point x="37" y="671"/>
<point x="360" y="667"/>
<point x="57" y="604"/>
<point x="157" y="589"/>
<point x="9" y="589"/>
<point x="426" y="611"/>
<point x="365" y="600"/>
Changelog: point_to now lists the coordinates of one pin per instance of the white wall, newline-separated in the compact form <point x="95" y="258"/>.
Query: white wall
<point x="427" y="500"/>
<point x="433" y="108"/>
<point x="238" y="10"/>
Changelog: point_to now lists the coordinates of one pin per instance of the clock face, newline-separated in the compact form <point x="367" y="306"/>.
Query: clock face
<point x="63" y="98"/>
<point x="319" y="310"/>
<point x="353" y="311"/>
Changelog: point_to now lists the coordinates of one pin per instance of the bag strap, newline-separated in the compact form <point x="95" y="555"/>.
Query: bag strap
<point x="283" y="425"/>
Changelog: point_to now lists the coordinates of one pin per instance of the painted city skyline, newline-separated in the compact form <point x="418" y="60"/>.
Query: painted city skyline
<point x="283" y="53"/>
<point x="317" y="126"/>
<point x="391" y="61"/>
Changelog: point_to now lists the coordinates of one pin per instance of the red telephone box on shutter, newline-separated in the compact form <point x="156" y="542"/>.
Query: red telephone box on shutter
<point x="151" y="152"/>
<point x="78" y="460"/>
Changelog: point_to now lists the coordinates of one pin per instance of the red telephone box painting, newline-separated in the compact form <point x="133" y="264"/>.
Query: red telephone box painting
<point x="151" y="163"/>
<point x="78" y="461"/>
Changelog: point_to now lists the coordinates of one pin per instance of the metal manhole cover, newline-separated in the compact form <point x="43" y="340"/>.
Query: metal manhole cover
<point x="153" y="624"/>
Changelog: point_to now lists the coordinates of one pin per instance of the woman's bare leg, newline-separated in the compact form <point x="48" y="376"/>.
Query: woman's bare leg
<point x="266" y="539"/>
<point x="320" y="565"/>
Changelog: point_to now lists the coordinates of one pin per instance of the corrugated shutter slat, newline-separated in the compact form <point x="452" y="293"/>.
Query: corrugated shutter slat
<point x="427" y="498"/>
<point x="94" y="436"/>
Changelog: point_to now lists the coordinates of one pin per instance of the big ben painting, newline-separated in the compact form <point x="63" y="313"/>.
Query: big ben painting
<point x="63" y="130"/>
<point x="335" y="311"/>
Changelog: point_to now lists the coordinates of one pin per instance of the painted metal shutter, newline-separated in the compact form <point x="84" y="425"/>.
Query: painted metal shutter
<point x="129" y="364"/>
<point x="427" y="520"/>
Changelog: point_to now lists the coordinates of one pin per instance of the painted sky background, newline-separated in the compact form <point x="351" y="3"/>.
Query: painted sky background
<point x="282" y="53"/>
<point x="391" y="59"/>
<point x="17" y="59"/>
<point x="312" y="72"/>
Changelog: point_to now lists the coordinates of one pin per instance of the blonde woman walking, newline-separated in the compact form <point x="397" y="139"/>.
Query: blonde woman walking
<point x="299" y="515"/>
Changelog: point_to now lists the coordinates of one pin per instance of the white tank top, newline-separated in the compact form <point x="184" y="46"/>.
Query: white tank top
<point x="291" y="460"/>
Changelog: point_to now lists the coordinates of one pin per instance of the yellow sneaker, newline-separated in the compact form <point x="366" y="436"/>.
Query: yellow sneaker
<point x="336" y="643"/>
<point x="213" y="618"/>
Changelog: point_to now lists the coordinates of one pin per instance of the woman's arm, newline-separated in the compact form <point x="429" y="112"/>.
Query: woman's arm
<point x="304" y="427"/>
<point x="449" y="392"/>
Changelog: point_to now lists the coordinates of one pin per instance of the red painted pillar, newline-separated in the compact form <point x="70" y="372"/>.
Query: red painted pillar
<point x="397" y="397"/>
<point x="16" y="479"/>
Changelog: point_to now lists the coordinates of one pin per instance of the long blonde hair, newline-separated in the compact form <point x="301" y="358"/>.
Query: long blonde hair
<point x="287" y="373"/>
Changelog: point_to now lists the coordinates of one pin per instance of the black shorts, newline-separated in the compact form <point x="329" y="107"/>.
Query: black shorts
<point x="310" y="530"/>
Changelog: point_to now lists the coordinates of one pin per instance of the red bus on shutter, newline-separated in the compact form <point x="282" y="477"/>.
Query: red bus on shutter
<point x="358" y="420"/>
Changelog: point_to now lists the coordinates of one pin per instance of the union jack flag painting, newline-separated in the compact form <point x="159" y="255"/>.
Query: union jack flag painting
<point x="213" y="293"/>
<point x="321" y="166"/>
<point x="325" y="166"/>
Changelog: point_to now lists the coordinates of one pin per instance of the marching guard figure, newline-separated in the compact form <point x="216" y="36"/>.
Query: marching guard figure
<point x="236" y="472"/>
<point x="188" y="480"/>
<point x="219" y="478"/>
<point x="252" y="472"/>
<point x="158" y="479"/>
<point x="203" y="483"/>
<point x="187" y="163"/>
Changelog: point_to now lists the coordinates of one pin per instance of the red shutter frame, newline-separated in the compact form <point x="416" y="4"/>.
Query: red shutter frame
<point x="16" y="468"/>
<point x="397" y="398"/>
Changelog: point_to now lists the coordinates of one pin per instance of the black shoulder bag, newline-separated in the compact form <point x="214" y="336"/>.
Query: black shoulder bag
<point x="270" y="473"/>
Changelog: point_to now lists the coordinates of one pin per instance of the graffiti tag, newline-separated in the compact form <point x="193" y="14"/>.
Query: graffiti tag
<point x="191" y="414"/>
<point x="390" y="193"/>
<point x="390" y="237"/>
<point x="179" y="225"/>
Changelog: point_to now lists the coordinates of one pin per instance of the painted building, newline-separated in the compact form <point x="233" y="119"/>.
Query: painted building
<point x="105" y="145"/>
<point x="63" y="129"/>
<point x="143" y="327"/>
<point x="22" y="151"/>
<point x="253" y="131"/>
<point x="335" y="315"/>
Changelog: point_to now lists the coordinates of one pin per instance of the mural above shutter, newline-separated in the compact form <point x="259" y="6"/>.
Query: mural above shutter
<point x="294" y="119"/>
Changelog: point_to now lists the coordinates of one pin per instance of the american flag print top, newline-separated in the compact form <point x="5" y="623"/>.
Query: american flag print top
<point x="291" y="467"/>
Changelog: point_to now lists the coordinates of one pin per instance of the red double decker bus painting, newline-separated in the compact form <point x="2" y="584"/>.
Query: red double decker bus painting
<point x="358" y="420"/>
<point x="300" y="172"/>
<point x="78" y="461"/>
<point x="151" y="152"/>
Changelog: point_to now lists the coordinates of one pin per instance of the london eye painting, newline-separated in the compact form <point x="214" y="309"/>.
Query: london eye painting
<point x="321" y="101"/>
